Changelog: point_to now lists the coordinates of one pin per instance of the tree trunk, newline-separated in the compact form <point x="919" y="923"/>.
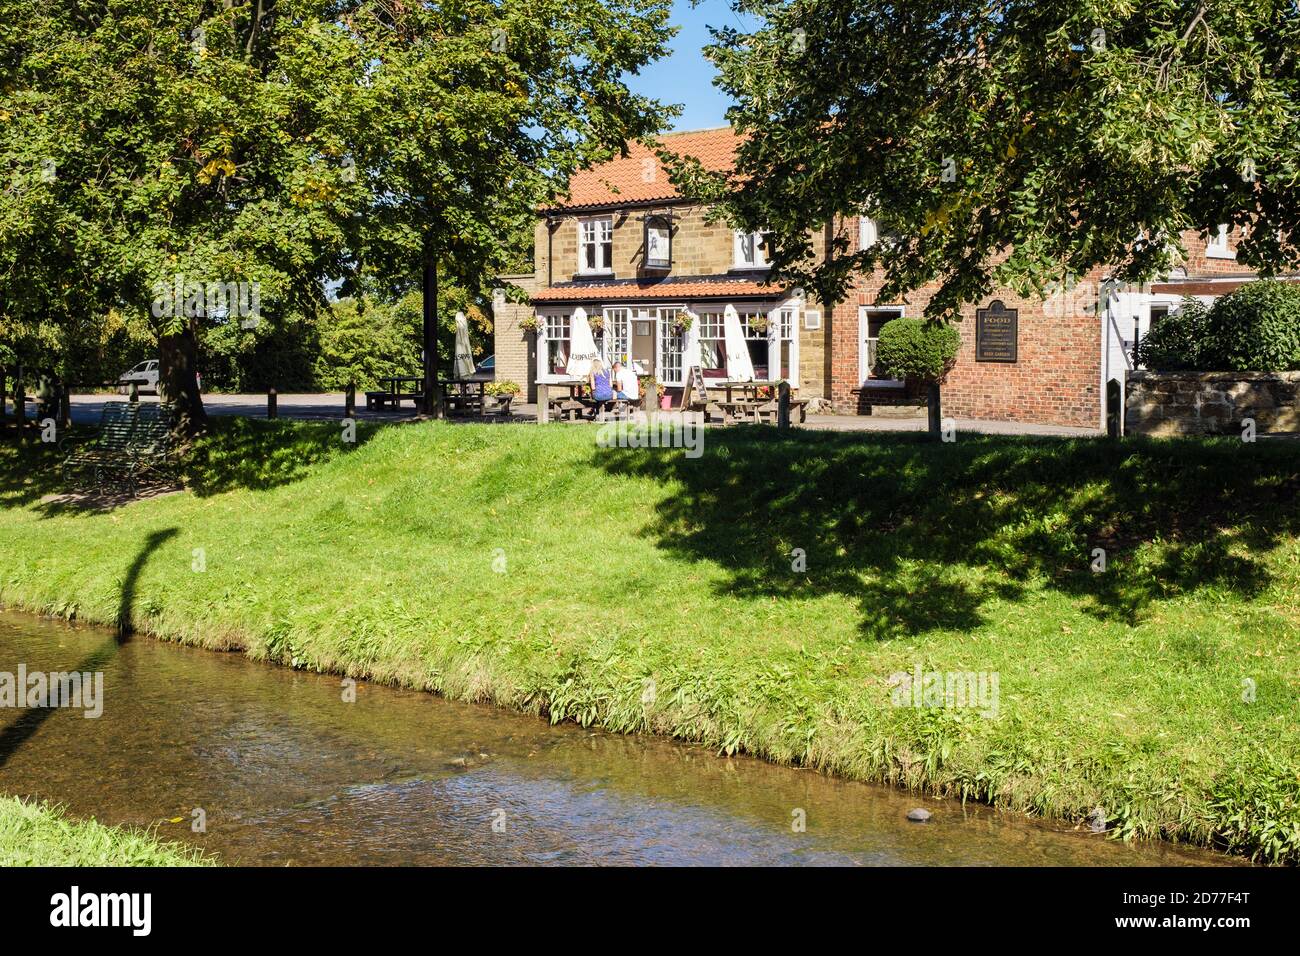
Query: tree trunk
<point x="936" y="412"/>
<point x="432" y="394"/>
<point x="177" y="383"/>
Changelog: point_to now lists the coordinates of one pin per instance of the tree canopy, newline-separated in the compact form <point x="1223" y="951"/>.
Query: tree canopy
<point x="1017" y="142"/>
<point x="294" y="143"/>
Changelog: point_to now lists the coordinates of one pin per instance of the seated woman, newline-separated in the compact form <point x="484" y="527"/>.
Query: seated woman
<point x="601" y="383"/>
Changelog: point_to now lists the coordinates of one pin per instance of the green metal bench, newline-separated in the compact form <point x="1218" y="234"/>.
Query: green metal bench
<point x="134" y="441"/>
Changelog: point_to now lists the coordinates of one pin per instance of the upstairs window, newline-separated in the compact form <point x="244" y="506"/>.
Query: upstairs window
<point x="1217" y="245"/>
<point x="872" y="230"/>
<point x="749" y="251"/>
<point x="596" y="246"/>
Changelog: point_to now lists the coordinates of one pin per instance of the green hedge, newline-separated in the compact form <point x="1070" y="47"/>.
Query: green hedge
<point x="1177" y="341"/>
<point x="1254" y="329"/>
<point x="913" y="349"/>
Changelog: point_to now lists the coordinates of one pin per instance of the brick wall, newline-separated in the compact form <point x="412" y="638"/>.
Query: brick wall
<point x="1056" y="379"/>
<point x="514" y="348"/>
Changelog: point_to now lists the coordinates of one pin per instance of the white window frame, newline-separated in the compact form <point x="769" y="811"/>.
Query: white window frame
<point x="1216" y="246"/>
<point x="864" y="373"/>
<point x="544" y="373"/>
<point x="739" y="239"/>
<point x="595" y="223"/>
<point x="711" y="308"/>
<point x="868" y="232"/>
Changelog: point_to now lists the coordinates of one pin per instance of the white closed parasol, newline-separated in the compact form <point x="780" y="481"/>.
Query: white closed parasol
<point x="582" y="345"/>
<point x="464" y="364"/>
<point x="740" y="367"/>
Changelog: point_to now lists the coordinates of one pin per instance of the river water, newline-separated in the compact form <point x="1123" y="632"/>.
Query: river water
<point x="286" y="772"/>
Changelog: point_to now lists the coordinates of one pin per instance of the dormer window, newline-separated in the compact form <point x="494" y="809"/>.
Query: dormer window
<point x="596" y="246"/>
<point x="1217" y="246"/>
<point x="873" y="230"/>
<point x="749" y="251"/>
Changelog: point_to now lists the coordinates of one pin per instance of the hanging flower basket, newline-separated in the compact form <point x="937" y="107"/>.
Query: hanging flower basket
<point x="530" y="323"/>
<point x="758" y="323"/>
<point x="597" y="323"/>
<point x="683" y="321"/>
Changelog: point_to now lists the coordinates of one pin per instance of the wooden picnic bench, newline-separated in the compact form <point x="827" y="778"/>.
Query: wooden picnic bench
<point x="133" y="441"/>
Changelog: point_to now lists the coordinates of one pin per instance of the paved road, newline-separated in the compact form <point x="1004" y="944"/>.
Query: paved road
<point x="329" y="406"/>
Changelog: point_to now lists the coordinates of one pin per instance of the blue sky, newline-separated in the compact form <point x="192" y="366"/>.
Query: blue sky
<point x="685" y="77"/>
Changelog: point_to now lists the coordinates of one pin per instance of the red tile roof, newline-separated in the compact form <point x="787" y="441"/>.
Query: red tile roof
<point x="658" y="290"/>
<point x="640" y="177"/>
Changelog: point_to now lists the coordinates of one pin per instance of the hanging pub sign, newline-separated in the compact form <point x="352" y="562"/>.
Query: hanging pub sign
<point x="996" y="333"/>
<point x="658" y="242"/>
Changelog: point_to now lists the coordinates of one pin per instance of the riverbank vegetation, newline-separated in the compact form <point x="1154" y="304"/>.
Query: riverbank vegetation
<point x="38" y="834"/>
<point x="1138" y="602"/>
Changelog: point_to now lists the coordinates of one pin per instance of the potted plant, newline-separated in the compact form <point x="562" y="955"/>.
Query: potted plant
<point x="920" y="352"/>
<point x="650" y="384"/>
<point x="504" y="391"/>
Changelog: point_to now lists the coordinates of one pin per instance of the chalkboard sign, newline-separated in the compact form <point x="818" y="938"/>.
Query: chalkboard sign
<point x="694" y="391"/>
<point x="996" y="333"/>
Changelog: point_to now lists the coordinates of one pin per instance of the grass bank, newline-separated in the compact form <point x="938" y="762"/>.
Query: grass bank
<point x="37" y="834"/>
<point x="758" y="598"/>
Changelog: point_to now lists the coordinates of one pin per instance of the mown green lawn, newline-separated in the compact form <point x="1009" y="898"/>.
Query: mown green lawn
<point x="37" y="834"/>
<point x="644" y="591"/>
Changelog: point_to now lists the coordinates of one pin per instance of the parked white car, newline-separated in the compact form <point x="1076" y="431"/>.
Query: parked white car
<point x="144" y="375"/>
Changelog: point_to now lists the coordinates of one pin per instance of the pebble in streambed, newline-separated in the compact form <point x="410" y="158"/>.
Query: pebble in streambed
<point x="919" y="815"/>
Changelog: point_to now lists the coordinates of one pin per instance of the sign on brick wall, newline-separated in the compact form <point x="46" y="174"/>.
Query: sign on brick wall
<point x="996" y="333"/>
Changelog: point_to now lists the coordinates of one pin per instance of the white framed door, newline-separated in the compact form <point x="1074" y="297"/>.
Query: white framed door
<point x="783" y="344"/>
<point x="618" y="334"/>
<point x="673" y="345"/>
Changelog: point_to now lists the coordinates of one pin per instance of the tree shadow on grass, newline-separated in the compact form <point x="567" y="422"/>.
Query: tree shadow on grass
<point x="235" y="453"/>
<point x="923" y="535"/>
<point x="31" y="719"/>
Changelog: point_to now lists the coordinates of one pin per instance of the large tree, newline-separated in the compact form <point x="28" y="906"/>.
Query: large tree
<point x="292" y="143"/>
<point x="1021" y="142"/>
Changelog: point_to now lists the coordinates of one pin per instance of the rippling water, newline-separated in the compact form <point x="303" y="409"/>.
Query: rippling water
<point x="288" y="773"/>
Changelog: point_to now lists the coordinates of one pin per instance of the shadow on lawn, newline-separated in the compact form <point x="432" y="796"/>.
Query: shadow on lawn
<point x="31" y="719"/>
<point x="235" y="453"/>
<point x="922" y="535"/>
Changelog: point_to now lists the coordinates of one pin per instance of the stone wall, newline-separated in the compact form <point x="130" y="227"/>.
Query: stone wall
<point x="1207" y="403"/>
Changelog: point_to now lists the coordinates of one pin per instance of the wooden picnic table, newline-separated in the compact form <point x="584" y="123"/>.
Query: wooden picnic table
<point x="464" y="395"/>
<point x="545" y="398"/>
<point x="392" y="393"/>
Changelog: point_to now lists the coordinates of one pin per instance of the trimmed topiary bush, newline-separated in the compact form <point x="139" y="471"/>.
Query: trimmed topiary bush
<point x="1255" y="329"/>
<point x="1176" y="343"/>
<point x="922" y="351"/>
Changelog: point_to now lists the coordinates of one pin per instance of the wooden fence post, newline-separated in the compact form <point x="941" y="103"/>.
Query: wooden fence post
<point x="271" y="410"/>
<point x="783" y="404"/>
<point x="350" y="401"/>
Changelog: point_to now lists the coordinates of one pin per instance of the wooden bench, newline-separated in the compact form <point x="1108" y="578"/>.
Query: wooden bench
<point x="133" y="441"/>
<point x="382" y="400"/>
<point x="770" y="411"/>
